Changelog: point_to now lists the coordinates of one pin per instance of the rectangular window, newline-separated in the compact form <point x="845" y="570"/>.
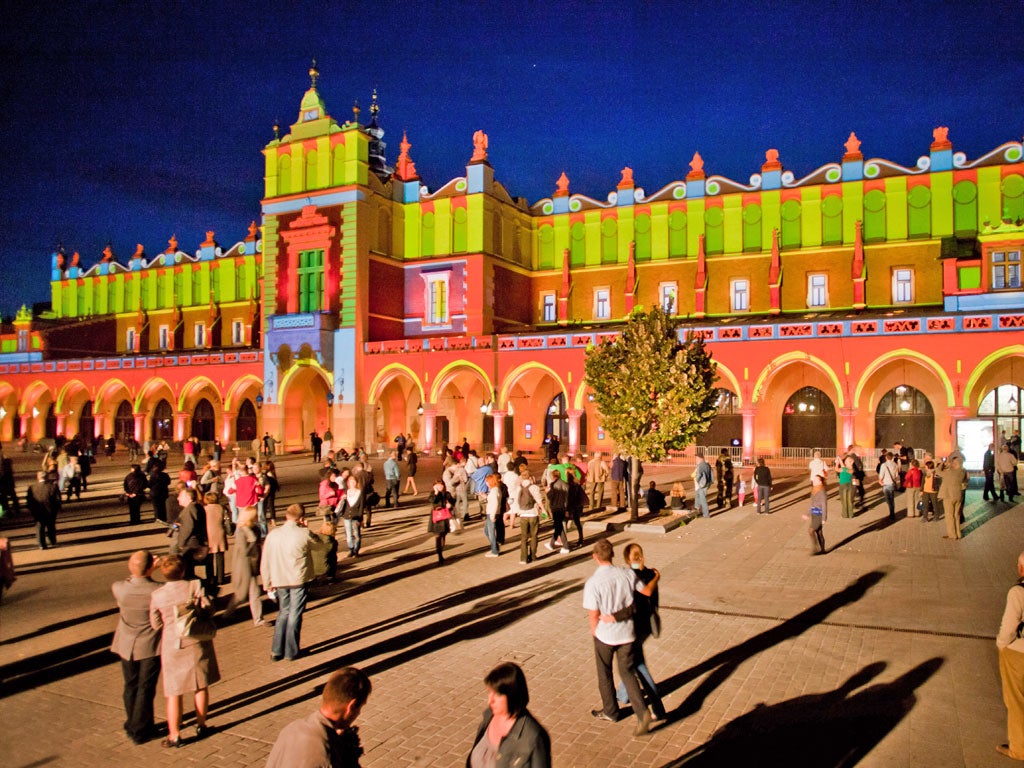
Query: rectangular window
<point x="435" y="298"/>
<point x="129" y="340"/>
<point x="311" y="280"/>
<point x="902" y="286"/>
<point x="817" y="290"/>
<point x="548" y="306"/>
<point x="668" y="293"/>
<point x="200" y="335"/>
<point x="602" y="304"/>
<point x="237" y="332"/>
<point x="164" y="337"/>
<point x="23" y="341"/>
<point x="1006" y="270"/>
<point x="740" y="292"/>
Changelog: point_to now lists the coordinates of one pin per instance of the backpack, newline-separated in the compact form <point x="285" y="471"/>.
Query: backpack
<point x="525" y="498"/>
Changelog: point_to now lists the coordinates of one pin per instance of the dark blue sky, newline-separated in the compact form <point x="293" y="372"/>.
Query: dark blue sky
<point x="127" y="122"/>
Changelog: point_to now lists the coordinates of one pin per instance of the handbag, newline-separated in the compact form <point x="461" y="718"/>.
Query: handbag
<point x="193" y="620"/>
<point x="655" y="624"/>
<point x="440" y="514"/>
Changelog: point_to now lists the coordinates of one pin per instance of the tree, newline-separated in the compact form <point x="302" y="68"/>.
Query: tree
<point x="653" y="393"/>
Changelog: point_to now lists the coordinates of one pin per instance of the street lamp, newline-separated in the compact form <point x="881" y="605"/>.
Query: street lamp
<point x="330" y="399"/>
<point x="419" y="409"/>
<point x="259" y="401"/>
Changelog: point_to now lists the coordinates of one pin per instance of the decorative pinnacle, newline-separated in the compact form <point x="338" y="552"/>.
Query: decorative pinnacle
<point x="277" y="129"/>
<point x="374" y="107"/>
<point x="355" y="111"/>
<point x="314" y="73"/>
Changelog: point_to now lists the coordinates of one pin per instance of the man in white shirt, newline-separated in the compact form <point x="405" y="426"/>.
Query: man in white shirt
<point x="609" y="593"/>
<point x="287" y="566"/>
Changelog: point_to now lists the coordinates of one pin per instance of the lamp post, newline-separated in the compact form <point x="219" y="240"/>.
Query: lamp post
<point x="259" y="402"/>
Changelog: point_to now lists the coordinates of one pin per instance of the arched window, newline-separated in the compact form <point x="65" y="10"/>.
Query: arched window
<point x="86" y="422"/>
<point x="727" y="426"/>
<point x="163" y="421"/>
<point x="245" y="422"/>
<point x="904" y="415"/>
<point x="556" y="420"/>
<point x="809" y="420"/>
<point x="124" y="421"/>
<point x="202" y="421"/>
<point x="1004" y="404"/>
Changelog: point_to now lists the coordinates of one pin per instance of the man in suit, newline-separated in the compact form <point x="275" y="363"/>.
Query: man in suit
<point x="138" y="645"/>
<point x="988" y="466"/>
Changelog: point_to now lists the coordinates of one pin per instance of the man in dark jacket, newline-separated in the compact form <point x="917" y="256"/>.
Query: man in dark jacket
<point x="43" y="501"/>
<point x="135" y="485"/>
<point x="159" y="490"/>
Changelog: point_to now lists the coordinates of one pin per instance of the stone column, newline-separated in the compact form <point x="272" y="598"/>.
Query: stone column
<point x="574" y="429"/>
<point x="849" y="435"/>
<point x="140" y="428"/>
<point x="225" y="426"/>
<point x="499" y="428"/>
<point x="429" y="424"/>
<point x="62" y="419"/>
<point x="748" y="433"/>
<point x="180" y="425"/>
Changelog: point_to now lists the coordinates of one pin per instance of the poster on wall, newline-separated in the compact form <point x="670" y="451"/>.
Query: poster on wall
<point x="973" y="437"/>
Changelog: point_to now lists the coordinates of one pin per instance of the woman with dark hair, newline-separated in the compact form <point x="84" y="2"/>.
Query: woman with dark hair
<point x="410" y="459"/>
<point x="268" y="479"/>
<point x="508" y="734"/>
<point x="188" y="665"/>
<point x="441" y="503"/>
<point x="245" y="566"/>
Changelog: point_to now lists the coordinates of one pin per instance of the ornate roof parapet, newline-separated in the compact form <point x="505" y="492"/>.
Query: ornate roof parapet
<point x="479" y="173"/>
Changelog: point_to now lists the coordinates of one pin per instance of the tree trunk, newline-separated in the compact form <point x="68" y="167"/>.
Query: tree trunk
<point x="634" y="489"/>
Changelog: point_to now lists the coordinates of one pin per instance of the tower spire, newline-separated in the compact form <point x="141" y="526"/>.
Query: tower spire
<point x="314" y="73"/>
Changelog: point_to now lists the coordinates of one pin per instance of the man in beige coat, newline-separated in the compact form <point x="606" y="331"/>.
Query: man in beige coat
<point x="1011" y="666"/>
<point x="951" y="493"/>
<point x="597" y="476"/>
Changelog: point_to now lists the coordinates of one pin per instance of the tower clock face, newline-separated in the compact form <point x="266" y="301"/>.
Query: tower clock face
<point x="311" y="115"/>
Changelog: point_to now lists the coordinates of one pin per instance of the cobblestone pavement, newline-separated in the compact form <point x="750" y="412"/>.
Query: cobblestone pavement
<point x="880" y="653"/>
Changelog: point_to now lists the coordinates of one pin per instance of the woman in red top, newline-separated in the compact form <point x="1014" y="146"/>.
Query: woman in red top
<point x="188" y="475"/>
<point x="912" y="484"/>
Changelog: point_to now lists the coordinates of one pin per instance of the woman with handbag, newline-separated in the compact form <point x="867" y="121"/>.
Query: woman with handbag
<point x="441" y="503"/>
<point x="188" y="534"/>
<point x="350" y="509"/>
<point x="245" y="566"/>
<point x="188" y="664"/>
<point x="216" y="538"/>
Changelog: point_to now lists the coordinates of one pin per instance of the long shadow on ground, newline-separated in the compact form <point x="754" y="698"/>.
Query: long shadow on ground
<point x="824" y="730"/>
<point x="723" y="664"/>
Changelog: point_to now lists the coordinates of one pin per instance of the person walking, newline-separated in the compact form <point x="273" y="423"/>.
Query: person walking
<point x="392" y="480"/>
<point x="508" y="735"/>
<point x="492" y="513"/>
<point x="245" y="567"/>
<point x="930" y="486"/>
<point x="988" y="466"/>
<point x="577" y="499"/>
<point x="617" y="481"/>
<point x="159" y="491"/>
<point x="188" y="665"/>
<point x="1006" y="465"/>
<point x="529" y="503"/>
<point x="763" y="483"/>
<point x="646" y="623"/>
<point x="889" y="479"/>
<point x="138" y="645"/>
<point x="724" y="475"/>
<point x="701" y="482"/>
<point x="326" y="737"/>
<point x="350" y="509"/>
<point x="410" y="480"/>
<point x="188" y="533"/>
<point x="817" y="515"/>
<point x="558" y="500"/>
<point x="286" y="568"/>
<point x="609" y="592"/>
<point x="216" y="540"/>
<point x="912" y="487"/>
<point x="43" y="501"/>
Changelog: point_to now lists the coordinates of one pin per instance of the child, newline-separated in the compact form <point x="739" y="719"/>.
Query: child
<point x="741" y="492"/>
<point x="817" y="514"/>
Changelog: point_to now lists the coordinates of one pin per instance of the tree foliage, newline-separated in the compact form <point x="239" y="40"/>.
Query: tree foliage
<point x="653" y="392"/>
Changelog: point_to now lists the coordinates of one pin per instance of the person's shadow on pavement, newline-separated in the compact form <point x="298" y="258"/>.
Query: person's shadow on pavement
<point x="825" y="730"/>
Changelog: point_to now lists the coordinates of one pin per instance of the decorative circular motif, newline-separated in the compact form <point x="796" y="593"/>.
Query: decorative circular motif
<point x="460" y="215"/>
<point x="871" y="170"/>
<point x="578" y="231"/>
<point x="460" y="185"/>
<point x="679" y="192"/>
<point x="787" y="177"/>
<point x="919" y="197"/>
<point x="428" y="220"/>
<point x="712" y="187"/>
<point x="874" y="201"/>
<point x="959" y="159"/>
<point x="752" y="214"/>
<point x="924" y="162"/>
<point x="790" y="210"/>
<point x="575" y="205"/>
<point x="613" y="197"/>
<point x="608" y="227"/>
<point x="755" y="180"/>
<point x="548" y="207"/>
<point x="424" y="191"/>
<point x="1013" y="154"/>
<point x="1013" y="185"/>
<point x="677" y="220"/>
<point x="546" y="234"/>
<point x="965" y="192"/>
<point x="833" y="174"/>
<point x="832" y="205"/>
<point x="638" y="194"/>
<point x="642" y="224"/>
<point x="713" y="217"/>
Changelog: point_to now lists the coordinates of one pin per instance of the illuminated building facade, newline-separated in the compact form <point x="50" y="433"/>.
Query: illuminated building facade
<point x="864" y="303"/>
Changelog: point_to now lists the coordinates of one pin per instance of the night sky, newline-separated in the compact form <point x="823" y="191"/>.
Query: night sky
<point x="129" y="122"/>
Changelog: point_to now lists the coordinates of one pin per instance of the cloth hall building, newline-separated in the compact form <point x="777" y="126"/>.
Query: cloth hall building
<point x="863" y="303"/>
